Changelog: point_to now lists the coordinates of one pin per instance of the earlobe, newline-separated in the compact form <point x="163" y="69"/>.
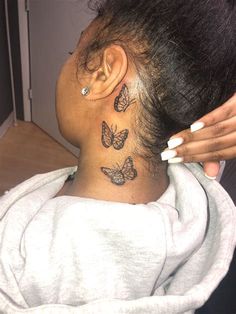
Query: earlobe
<point x="111" y="72"/>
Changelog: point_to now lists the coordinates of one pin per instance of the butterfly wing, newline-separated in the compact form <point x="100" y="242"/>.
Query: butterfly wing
<point x="115" y="175"/>
<point x="119" y="139"/>
<point x="107" y="135"/>
<point x="122" y="101"/>
<point x="128" y="170"/>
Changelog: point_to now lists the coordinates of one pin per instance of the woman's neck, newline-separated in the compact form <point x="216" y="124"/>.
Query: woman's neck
<point x="109" y="167"/>
<point x="125" y="179"/>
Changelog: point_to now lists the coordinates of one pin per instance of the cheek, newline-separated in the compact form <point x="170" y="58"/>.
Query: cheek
<point x="69" y="107"/>
<point x="64" y="92"/>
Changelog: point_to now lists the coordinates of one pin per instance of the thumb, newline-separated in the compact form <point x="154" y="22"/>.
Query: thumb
<point x="211" y="168"/>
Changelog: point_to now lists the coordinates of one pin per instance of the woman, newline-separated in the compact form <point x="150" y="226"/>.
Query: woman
<point x="122" y="233"/>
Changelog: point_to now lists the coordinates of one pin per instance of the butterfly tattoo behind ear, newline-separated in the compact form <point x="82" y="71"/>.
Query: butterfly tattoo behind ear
<point x="110" y="137"/>
<point x="120" y="176"/>
<point x="122" y="101"/>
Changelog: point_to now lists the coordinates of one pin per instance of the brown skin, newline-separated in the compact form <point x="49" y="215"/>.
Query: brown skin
<point x="80" y="118"/>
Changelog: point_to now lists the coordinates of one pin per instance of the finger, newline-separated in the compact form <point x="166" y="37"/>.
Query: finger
<point x="205" y="146"/>
<point x="225" y="154"/>
<point x="211" y="168"/>
<point x="225" y="111"/>
<point x="219" y="129"/>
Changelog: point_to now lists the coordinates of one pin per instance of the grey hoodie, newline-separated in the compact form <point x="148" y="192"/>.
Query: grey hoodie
<point x="76" y="255"/>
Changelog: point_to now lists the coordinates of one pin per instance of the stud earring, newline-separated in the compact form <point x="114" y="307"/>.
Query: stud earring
<point x="85" y="91"/>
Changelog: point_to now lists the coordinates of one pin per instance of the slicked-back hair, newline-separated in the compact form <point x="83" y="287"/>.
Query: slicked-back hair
<point x="185" y="55"/>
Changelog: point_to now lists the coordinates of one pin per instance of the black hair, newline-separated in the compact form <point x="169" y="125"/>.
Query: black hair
<point x="185" y="55"/>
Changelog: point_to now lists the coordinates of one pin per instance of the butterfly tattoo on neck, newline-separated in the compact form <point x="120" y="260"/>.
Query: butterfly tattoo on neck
<point x="111" y="138"/>
<point x="120" y="175"/>
<point x="123" y="101"/>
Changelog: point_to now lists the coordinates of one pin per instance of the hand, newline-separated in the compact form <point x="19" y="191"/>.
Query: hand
<point x="209" y="140"/>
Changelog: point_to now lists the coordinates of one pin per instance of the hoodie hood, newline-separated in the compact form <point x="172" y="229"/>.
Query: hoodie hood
<point x="76" y="255"/>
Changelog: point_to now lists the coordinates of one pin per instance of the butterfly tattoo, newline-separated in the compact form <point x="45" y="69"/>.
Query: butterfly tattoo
<point x="122" y="101"/>
<point x="120" y="176"/>
<point x="111" y="138"/>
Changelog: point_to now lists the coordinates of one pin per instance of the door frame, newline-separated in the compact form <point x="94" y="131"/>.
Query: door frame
<point x="23" y="7"/>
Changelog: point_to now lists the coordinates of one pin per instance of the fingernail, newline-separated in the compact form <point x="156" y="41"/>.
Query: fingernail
<point x="196" y="126"/>
<point x="167" y="154"/>
<point x="176" y="160"/>
<point x="209" y="177"/>
<point x="174" y="142"/>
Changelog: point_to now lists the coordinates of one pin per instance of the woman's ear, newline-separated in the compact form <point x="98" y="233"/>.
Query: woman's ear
<point x="110" y="73"/>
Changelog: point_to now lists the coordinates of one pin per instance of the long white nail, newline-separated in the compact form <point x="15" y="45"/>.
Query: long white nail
<point x="175" y="160"/>
<point x="174" y="142"/>
<point x="209" y="177"/>
<point x="167" y="154"/>
<point x="196" y="126"/>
